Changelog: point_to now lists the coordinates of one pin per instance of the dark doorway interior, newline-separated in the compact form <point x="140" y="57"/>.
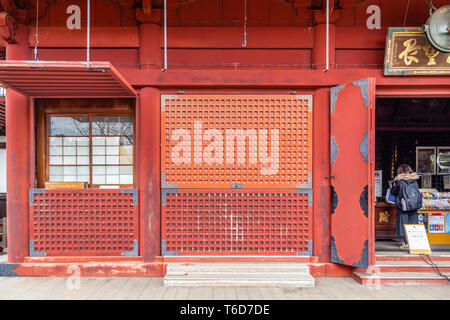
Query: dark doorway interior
<point x="402" y="125"/>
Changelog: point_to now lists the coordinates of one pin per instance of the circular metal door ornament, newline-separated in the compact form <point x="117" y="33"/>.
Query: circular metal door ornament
<point x="437" y="29"/>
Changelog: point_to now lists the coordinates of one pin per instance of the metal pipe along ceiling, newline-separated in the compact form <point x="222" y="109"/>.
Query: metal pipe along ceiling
<point x="165" y="36"/>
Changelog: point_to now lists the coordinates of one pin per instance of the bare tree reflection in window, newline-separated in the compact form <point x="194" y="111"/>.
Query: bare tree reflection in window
<point x="113" y="126"/>
<point x="83" y="131"/>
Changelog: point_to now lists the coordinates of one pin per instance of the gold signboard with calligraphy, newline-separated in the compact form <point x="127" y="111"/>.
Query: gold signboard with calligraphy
<point x="409" y="53"/>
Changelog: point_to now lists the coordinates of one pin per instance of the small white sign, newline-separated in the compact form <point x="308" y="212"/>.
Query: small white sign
<point x="436" y="222"/>
<point x="417" y="239"/>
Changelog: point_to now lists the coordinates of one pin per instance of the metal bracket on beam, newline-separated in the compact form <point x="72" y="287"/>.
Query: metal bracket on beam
<point x="31" y="194"/>
<point x="36" y="253"/>
<point x="132" y="253"/>
<point x="309" y="98"/>
<point x="165" y="97"/>
<point x="364" y="87"/>
<point x="236" y="186"/>
<point x="134" y="192"/>
<point x="164" y="185"/>
<point x="164" y="193"/>
<point x="164" y="251"/>
<point x="308" y="185"/>
<point x="309" y="192"/>
<point x="334" y="92"/>
<point x="7" y="269"/>
<point x="307" y="253"/>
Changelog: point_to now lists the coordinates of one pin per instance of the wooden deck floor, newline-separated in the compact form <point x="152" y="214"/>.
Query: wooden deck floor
<point x="152" y="289"/>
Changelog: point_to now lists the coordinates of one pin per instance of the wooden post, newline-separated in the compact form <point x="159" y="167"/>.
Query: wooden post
<point x="18" y="157"/>
<point x="148" y="130"/>
<point x="149" y="172"/>
<point x="321" y="175"/>
<point x="149" y="46"/>
<point x="319" y="52"/>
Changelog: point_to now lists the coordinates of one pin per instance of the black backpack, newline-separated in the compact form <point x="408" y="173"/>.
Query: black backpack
<point x="409" y="197"/>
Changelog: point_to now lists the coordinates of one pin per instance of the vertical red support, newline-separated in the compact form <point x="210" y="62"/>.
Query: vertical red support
<point x="321" y="139"/>
<point x="149" y="46"/>
<point x="319" y="52"/>
<point x="32" y="146"/>
<point x="321" y="174"/>
<point x="149" y="172"/>
<point x="148" y="147"/>
<point x="18" y="157"/>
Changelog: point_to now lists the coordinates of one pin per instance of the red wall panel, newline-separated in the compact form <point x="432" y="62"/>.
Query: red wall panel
<point x="231" y="58"/>
<point x="367" y="59"/>
<point x="198" y="221"/>
<point x="254" y="141"/>
<point x="83" y="222"/>
<point x="118" y="57"/>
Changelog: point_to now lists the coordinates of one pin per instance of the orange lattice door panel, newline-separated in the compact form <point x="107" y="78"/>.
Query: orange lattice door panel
<point x="352" y="153"/>
<point x="236" y="222"/>
<point x="236" y="174"/>
<point x="236" y="141"/>
<point x="101" y="222"/>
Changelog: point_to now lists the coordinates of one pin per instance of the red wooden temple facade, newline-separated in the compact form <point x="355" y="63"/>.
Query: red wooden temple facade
<point x="224" y="156"/>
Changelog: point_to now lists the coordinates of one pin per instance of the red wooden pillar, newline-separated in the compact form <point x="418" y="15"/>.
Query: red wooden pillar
<point x="149" y="172"/>
<point x="319" y="52"/>
<point x="321" y="137"/>
<point x="18" y="157"/>
<point x="321" y="176"/>
<point x="149" y="46"/>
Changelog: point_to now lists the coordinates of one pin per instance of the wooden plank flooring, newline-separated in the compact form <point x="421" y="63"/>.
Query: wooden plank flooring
<point x="152" y="289"/>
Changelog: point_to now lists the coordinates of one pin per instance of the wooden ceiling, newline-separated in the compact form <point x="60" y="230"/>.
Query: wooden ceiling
<point x="413" y="114"/>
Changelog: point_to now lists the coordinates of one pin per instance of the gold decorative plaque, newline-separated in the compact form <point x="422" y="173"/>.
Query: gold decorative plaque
<point x="409" y="53"/>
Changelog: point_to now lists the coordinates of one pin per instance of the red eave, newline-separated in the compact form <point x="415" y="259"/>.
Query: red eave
<point x="57" y="79"/>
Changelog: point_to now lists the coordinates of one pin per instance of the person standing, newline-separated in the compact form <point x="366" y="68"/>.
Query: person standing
<point x="409" y="200"/>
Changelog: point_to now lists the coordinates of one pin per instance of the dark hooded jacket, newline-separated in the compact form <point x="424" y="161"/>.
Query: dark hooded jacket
<point x="409" y="178"/>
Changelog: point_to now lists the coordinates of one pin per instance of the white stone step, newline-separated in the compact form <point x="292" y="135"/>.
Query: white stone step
<point x="401" y="263"/>
<point x="238" y="280"/>
<point x="238" y="267"/>
<point x="239" y="274"/>
<point x="400" y="278"/>
<point x="399" y="275"/>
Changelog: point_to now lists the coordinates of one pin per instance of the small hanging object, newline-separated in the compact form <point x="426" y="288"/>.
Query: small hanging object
<point x="244" y="43"/>
<point x="37" y="30"/>
<point x="147" y="7"/>
<point x="437" y="29"/>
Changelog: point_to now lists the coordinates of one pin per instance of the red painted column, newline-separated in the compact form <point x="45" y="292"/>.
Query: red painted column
<point x="148" y="146"/>
<point x="321" y="174"/>
<point x="321" y="137"/>
<point x="149" y="172"/>
<point x="18" y="157"/>
<point x="319" y="49"/>
<point x="149" y="46"/>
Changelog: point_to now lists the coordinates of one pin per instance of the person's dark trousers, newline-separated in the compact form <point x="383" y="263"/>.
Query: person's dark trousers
<point x="405" y="217"/>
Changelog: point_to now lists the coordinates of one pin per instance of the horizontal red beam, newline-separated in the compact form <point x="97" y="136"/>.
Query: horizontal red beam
<point x="208" y="37"/>
<point x="231" y="38"/>
<point x="360" y="38"/>
<point x="101" y="37"/>
<point x="280" y="78"/>
<point x="228" y="58"/>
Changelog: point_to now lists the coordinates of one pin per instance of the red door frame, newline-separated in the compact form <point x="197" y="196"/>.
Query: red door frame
<point x="408" y="93"/>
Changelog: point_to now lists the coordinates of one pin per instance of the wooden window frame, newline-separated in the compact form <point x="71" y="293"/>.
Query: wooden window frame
<point x="90" y="115"/>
